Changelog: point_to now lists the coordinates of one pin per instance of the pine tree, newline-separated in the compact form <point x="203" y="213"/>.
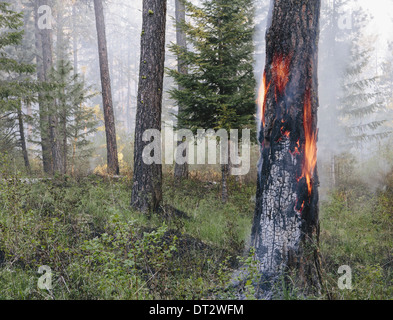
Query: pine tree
<point x="181" y="170"/>
<point x="147" y="183"/>
<point x="219" y="89"/>
<point x="110" y="129"/>
<point x="15" y="85"/>
<point x="362" y="98"/>
<point x="387" y="84"/>
<point x="75" y="119"/>
<point x="285" y="231"/>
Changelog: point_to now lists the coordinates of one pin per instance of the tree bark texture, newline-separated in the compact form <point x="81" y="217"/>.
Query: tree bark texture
<point x="110" y="129"/>
<point x="43" y="112"/>
<point x="285" y="232"/>
<point x="181" y="170"/>
<point x="23" y="139"/>
<point x="147" y="185"/>
<point x="47" y="58"/>
<point x="63" y="111"/>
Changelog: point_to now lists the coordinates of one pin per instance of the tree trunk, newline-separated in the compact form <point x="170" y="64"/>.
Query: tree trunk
<point x="23" y="139"/>
<point x="110" y="129"/>
<point x="74" y="39"/>
<point x="147" y="185"/>
<point x="285" y="232"/>
<point x="43" y="112"/>
<point x="224" y="183"/>
<point x="225" y="173"/>
<point x="47" y="57"/>
<point x="63" y="110"/>
<point x="181" y="170"/>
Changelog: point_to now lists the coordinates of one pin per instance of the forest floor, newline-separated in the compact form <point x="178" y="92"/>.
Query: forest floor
<point x="97" y="248"/>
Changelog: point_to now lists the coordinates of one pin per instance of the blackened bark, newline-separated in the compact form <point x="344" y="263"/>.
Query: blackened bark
<point x="147" y="185"/>
<point x="110" y="129"/>
<point x="23" y="139"/>
<point x="285" y="232"/>
<point x="181" y="170"/>
<point x="43" y="111"/>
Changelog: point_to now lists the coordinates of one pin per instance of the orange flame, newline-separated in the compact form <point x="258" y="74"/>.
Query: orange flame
<point x="280" y="75"/>
<point x="280" y="68"/>
<point x="296" y="151"/>
<point x="310" y="148"/>
<point x="262" y="96"/>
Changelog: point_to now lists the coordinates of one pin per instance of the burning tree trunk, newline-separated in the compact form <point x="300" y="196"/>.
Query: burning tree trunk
<point x="286" y="225"/>
<point x="110" y="130"/>
<point x="147" y="184"/>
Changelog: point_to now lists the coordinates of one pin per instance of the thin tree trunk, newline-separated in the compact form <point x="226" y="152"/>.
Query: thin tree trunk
<point x="110" y="129"/>
<point x="285" y="232"/>
<point x="63" y="111"/>
<point x="29" y="127"/>
<point x="181" y="170"/>
<point x="43" y="110"/>
<point x="23" y="139"/>
<point x="74" y="39"/>
<point x="147" y="185"/>
<point x="225" y="174"/>
<point x="73" y="157"/>
<point x="128" y="105"/>
<point x="47" y="57"/>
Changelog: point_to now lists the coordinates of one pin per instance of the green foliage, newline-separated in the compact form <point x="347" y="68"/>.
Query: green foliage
<point x="357" y="231"/>
<point x="77" y="120"/>
<point x="362" y="99"/>
<point x="98" y="248"/>
<point x="219" y="89"/>
<point x="15" y="85"/>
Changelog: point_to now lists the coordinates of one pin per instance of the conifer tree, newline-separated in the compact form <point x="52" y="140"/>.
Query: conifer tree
<point x="147" y="178"/>
<point x="361" y="100"/>
<point x="219" y="89"/>
<point x="15" y="86"/>
<point x="75" y="119"/>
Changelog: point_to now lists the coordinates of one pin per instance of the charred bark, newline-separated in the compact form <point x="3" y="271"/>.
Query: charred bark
<point x="147" y="185"/>
<point x="285" y="232"/>
<point x="181" y="170"/>
<point x="110" y="129"/>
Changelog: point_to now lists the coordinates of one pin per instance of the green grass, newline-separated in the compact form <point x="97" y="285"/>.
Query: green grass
<point x="98" y="248"/>
<point x="64" y="224"/>
<point x="357" y="231"/>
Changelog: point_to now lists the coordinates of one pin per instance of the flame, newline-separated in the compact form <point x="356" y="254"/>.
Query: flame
<point x="280" y="69"/>
<point x="300" y="210"/>
<point x="310" y="148"/>
<point x="280" y="75"/>
<point x="296" y="151"/>
<point x="262" y="96"/>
